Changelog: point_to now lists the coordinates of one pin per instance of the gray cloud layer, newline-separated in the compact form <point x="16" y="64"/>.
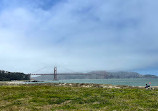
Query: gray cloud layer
<point x="79" y="34"/>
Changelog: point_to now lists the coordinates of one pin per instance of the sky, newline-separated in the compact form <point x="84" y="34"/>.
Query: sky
<point x="79" y="35"/>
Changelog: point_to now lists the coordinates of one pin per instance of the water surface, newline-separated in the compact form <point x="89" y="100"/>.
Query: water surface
<point x="129" y="82"/>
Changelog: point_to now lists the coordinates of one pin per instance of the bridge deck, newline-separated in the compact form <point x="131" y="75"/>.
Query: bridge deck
<point x="66" y="74"/>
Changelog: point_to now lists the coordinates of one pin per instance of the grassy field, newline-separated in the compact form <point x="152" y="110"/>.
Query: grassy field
<point x="47" y="98"/>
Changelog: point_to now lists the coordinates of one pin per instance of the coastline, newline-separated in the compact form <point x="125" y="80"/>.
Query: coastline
<point x="13" y="83"/>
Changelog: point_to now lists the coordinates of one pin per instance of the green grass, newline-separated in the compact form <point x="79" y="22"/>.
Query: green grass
<point x="47" y="98"/>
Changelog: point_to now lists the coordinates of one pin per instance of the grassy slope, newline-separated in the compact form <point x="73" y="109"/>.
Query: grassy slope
<point x="45" y="98"/>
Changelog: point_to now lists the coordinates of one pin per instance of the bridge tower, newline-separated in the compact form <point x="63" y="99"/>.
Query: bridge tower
<point x="55" y="73"/>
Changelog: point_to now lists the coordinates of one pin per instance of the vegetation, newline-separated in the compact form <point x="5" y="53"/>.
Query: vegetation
<point x="47" y="97"/>
<point x="8" y="76"/>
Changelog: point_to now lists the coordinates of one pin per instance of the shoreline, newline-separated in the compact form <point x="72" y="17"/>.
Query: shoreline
<point x="88" y="85"/>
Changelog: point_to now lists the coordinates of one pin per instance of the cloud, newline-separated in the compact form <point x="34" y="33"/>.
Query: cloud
<point x="81" y="35"/>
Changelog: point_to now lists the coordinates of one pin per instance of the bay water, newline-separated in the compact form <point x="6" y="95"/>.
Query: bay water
<point x="129" y="82"/>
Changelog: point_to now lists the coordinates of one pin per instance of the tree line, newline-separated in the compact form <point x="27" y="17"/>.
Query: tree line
<point x="8" y="76"/>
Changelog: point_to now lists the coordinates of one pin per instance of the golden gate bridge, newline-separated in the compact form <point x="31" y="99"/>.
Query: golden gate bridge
<point x="55" y="74"/>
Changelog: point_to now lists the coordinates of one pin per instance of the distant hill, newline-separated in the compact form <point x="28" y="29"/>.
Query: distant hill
<point x="8" y="76"/>
<point x="96" y="75"/>
<point x="150" y="76"/>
